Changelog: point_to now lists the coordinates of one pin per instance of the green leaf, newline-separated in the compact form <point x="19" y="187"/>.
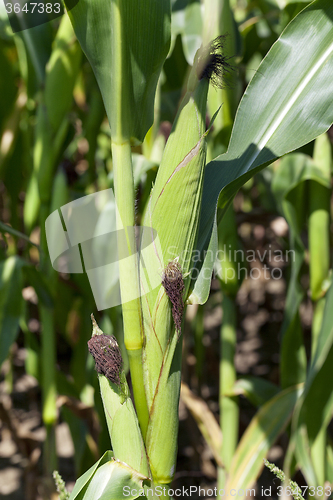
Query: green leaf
<point x="52" y="115"/>
<point x="316" y="405"/>
<point x="114" y="480"/>
<point x="11" y="303"/>
<point x="290" y="189"/>
<point x="191" y="36"/>
<point x="319" y="219"/>
<point x="287" y="104"/>
<point x="39" y="282"/>
<point x="329" y="463"/>
<point x="61" y="73"/>
<point x="260" y="435"/>
<point x="82" y="483"/>
<point x="126" y="43"/>
<point x="4" y="228"/>
<point x="37" y="46"/>
<point x="8" y="89"/>
<point x="257" y="390"/>
<point x="201" y="290"/>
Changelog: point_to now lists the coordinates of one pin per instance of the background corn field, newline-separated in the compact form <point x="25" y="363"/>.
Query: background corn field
<point x="257" y="339"/>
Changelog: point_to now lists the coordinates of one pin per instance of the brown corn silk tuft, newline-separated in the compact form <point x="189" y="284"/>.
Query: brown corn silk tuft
<point x="106" y="353"/>
<point x="173" y="284"/>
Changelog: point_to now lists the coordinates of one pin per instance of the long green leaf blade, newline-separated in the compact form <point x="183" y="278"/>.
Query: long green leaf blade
<point x="261" y="434"/>
<point x="11" y="303"/>
<point x="287" y="104"/>
<point x="126" y="46"/>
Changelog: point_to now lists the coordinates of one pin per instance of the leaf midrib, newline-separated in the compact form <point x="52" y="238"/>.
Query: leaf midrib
<point x="284" y="111"/>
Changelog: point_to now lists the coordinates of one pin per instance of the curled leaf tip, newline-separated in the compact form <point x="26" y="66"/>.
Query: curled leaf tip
<point x="96" y="328"/>
<point x="213" y="64"/>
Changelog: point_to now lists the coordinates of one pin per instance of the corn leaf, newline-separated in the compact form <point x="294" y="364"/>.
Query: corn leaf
<point x="319" y="219"/>
<point x="114" y="480"/>
<point x="290" y="189"/>
<point x="261" y="434"/>
<point x="7" y="86"/>
<point x="36" y="42"/>
<point x="257" y="390"/>
<point x="205" y="419"/>
<point x="191" y="36"/>
<point x="287" y="104"/>
<point x="126" y="44"/>
<point x="83" y="481"/>
<point x="11" y="303"/>
<point x="316" y="405"/>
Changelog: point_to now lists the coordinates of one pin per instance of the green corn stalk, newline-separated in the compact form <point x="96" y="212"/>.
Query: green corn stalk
<point x="52" y="125"/>
<point x="128" y="272"/>
<point x="177" y="193"/>
<point x="230" y="282"/>
<point x="319" y="220"/>
<point x="229" y="410"/>
<point x="219" y="19"/>
<point x="319" y="249"/>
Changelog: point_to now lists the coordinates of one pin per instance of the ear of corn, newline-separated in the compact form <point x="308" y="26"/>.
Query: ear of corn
<point x="173" y="215"/>
<point x="122" y="422"/>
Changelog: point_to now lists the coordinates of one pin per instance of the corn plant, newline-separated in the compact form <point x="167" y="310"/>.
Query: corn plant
<point x="126" y="47"/>
<point x="286" y="105"/>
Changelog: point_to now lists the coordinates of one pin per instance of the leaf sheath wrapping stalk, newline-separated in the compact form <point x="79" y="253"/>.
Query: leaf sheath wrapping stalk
<point x="123" y="425"/>
<point x="121" y="419"/>
<point x="173" y="212"/>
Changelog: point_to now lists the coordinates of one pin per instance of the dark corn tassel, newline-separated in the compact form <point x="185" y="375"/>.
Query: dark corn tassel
<point x="212" y="64"/>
